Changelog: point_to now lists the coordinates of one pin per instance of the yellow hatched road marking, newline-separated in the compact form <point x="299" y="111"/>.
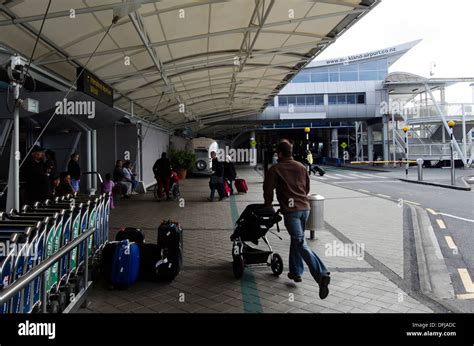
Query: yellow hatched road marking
<point x="466" y="280"/>
<point x="450" y="242"/>
<point x="431" y="211"/>
<point x="441" y="223"/>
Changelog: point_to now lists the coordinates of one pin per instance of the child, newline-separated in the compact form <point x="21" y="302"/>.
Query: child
<point x="107" y="187"/>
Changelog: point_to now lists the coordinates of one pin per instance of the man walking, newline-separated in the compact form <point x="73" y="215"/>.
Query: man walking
<point x="292" y="184"/>
<point x="74" y="171"/>
<point x="162" y="171"/>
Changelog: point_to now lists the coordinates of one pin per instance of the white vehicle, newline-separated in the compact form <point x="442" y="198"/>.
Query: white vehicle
<point x="203" y="147"/>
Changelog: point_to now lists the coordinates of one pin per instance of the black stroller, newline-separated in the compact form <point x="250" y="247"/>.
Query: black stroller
<point x="252" y="225"/>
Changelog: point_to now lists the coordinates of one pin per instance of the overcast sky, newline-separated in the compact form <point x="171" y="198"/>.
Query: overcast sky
<point x="446" y="28"/>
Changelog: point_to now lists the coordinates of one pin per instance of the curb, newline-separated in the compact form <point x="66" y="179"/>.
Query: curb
<point x="433" y="274"/>
<point x="462" y="188"/>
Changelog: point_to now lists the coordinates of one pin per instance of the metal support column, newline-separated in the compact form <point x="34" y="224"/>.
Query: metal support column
<point x="370" y="143"/>
<point x="13" y="194"/>
<point x="94" y="176"/>
<point x="385" y="139"/>
<point x="334" y="143"/>
<point x="89" y="161"/>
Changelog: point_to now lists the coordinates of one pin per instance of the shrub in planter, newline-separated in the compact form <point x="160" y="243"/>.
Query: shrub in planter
<point x="182" y="161"/>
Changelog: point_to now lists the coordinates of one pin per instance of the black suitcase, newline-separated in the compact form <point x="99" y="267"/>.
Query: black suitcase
<point x="150" y="255"/>
<point x="170" y="244"/>
<point x="134" y="235"/>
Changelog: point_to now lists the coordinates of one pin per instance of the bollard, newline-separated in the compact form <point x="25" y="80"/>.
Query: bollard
<point x="316" y="216"/>
<point x="419" y="162"/>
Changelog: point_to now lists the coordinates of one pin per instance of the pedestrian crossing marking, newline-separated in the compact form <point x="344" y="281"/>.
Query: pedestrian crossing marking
<point x="349" y="176"/>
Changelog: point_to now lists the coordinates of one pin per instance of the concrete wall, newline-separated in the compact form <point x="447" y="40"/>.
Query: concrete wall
<point x="154" y="143"/>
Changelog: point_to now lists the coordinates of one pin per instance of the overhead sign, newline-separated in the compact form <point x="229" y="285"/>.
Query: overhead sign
<point x="343" y="145"/>
<point x="93" y="86"/>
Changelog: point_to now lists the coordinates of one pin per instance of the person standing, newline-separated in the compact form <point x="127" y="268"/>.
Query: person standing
<point x="162" y="171"/>
<point x="74" y="171"/>
<point x="292" y="184"/>
<point x="217" y="178"/>
<point x="35" y="174"/>
<point x="229" y="172"/>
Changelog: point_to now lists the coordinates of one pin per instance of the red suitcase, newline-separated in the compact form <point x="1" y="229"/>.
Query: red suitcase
<point x="226" y="189"/>
<point x="241" y="185"/>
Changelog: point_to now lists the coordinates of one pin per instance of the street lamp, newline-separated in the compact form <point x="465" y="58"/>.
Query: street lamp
<point x="406" y="129"/>
<point x="451" y="124"/>
<point x="307" y="130"/>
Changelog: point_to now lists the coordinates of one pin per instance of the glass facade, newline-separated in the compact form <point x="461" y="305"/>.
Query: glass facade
<point x="369" y="70"/>
<point x="346" y="99"/>
<point x="301" y="100"/>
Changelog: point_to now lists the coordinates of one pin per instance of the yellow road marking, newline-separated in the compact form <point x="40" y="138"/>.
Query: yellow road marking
<point x="441" y="223"/>
<point x="431" y="211"/>
<point x="362" y="190"/>
<point x="466" y="280"/>
<point x="450" y="242"/>
<point x="412" y="202"/>
<point x="465" y="296"/>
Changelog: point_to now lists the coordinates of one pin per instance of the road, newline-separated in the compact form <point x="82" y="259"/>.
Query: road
<point x="451" y="213"/>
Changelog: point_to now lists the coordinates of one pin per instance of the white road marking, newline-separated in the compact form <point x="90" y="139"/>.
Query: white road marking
<point x="450" y="242"/>
<point x="331" y="177"/>
<point x="466" y="280"/>
<point x="384" y="196"/>
<point x="411" y="202"/>
<point x="431" y="211"/>
<point x="441" y="223"/>
<point x="373" y="176"/>
<point x="456" y="217"/>
<point x="343" y="176"/>
<point x="362" y="190"/>
<point x="369" y="182"/>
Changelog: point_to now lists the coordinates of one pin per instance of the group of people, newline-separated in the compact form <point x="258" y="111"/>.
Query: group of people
<point x="41" y="177"/>
<point x="123" y="178"/>
<point x="222" y="173"/>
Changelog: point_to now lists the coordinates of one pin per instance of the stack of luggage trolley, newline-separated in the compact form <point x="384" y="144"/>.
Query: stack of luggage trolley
<point x="39" y="231"/>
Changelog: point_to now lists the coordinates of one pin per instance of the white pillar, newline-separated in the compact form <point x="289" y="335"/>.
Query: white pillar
<point x="385" y="139"/>
<point x="94" y="176"/>
<point x="13" y="192"/>
<point x="334" y="144"/>
<point x="253" y="150"/>
<point x="89" y="161"/>
<point x="370" y="143"/>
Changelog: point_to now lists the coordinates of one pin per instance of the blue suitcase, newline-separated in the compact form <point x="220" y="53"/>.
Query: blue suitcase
<point x="124" y="264"/>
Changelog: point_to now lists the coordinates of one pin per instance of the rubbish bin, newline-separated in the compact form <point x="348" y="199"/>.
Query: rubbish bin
<point x="316" y="216"/>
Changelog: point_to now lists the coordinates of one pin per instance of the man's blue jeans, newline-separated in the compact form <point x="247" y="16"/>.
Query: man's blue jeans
<point x="300" y="251"/>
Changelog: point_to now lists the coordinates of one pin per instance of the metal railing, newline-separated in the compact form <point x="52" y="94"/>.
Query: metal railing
<point x="8" y="292"/>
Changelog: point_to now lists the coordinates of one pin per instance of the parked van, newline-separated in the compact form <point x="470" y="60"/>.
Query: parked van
<point x="202" y="147"/>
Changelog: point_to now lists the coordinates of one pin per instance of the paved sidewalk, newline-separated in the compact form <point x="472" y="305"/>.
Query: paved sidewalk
<point x="373" y="282"/>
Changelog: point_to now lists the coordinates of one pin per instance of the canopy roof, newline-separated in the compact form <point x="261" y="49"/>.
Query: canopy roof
<point x="220" y="59"/>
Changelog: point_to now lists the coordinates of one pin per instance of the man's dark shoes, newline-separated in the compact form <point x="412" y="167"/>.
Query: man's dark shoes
<point x="295" y="278"/>
<point x="323" y="286"/>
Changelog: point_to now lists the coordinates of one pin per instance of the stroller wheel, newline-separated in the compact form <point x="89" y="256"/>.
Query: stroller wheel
<point x="276" y="264"/>
<point x="54" y="307"/>
<point x="238" y="266"/>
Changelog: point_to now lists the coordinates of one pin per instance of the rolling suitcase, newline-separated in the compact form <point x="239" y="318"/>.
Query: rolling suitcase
<point x="134" y="235"/>
<point x="120" y="263"/>
<point x="150" y="255"/>
<point x="170" y="245"/>
<point x="226" y="189"/>
<point x="241" y="185"/>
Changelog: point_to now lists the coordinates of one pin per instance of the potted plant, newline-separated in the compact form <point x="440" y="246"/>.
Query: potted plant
<point x="182" y="161"/>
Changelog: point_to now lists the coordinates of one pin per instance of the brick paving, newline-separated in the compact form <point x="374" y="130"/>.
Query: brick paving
<point x="206" y="283"/>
